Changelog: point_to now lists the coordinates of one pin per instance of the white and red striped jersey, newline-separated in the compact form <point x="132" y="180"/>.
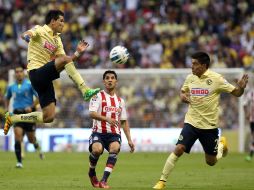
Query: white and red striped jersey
<point x="249" y="103"/>
<point x="108" y="106"/>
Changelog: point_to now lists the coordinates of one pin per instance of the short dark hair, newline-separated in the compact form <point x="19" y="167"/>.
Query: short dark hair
<point x="109" y="72"/>
<point x="202" y="57"/>
<point x="19" y="67"/>
<point x="53" y="14"/>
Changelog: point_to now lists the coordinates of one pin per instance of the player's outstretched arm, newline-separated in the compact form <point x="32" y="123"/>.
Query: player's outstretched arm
<point x="82" y="46"/>
<point x="241" y="85"/>
<point x="127" y="133"/>
<point x="27" y="36"/>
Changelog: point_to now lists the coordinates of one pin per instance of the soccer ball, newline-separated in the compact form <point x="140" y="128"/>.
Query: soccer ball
<point x="119" y="55"/>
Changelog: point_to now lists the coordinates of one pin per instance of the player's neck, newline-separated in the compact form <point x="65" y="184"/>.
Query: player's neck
<point x="54" y="32"/>
<point x="19" y="81"/>
<point x="111" y="92"/>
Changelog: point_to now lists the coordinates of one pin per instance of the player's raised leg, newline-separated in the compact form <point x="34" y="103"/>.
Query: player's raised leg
<point x="10" y="119"/>
<point x="74" y="75"/>
<point x="87" y="92"/>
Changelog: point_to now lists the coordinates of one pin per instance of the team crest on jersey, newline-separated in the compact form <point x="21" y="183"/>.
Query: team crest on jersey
<point x="209" y="81"/>
<point x="49" y="46"/>
<point x="94" y="98"/>
<point x="199" y="92"/>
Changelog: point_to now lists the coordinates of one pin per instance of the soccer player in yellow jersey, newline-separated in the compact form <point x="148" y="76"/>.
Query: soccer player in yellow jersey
<point x="46" y="59"/>
<point x="201" y="90"/>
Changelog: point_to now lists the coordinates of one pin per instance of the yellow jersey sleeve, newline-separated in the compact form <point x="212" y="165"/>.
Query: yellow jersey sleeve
<point x="185" y="86"/>
<point x="35" y="30"/>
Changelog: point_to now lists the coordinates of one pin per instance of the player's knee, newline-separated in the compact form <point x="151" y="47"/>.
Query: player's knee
<point x="32" y="140"/>
<point x="97" y="150"/>
<point x="48" y="118"/>
<point x="63" y="60"/>
<point x="211" y="162"/>
<point x="179" y="150"/>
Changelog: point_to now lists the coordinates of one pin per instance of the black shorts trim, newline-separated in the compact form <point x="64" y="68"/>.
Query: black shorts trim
<point x="41" y="80"/>
<point x="105" y="139"/>
<point x="207" y="137"/>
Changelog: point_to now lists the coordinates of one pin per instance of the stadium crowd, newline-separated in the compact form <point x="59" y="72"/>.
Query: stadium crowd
<point x="157" y="33"/>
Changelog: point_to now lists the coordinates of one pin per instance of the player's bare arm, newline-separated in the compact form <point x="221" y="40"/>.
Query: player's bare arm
<point x="185" y="97"/>
<point x="82" y="46"/>
<point x="241" y="85"/>
<point x="126" y="130"/>
<point x="99" y="117"/>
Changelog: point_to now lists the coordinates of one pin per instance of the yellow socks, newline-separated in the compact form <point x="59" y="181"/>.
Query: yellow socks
<point x="168" y="167"/>
<point x="33" y="117"/>
<point x="76" y="77"/>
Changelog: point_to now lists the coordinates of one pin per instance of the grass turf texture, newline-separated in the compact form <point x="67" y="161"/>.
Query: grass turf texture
<point x="139" y="171"/>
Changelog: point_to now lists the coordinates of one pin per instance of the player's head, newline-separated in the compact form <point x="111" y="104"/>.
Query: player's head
<point x="19" y="73"/>
<point x="200" y="63"/>
<point x="55" y="19"/>
<point x="110" y="79"/>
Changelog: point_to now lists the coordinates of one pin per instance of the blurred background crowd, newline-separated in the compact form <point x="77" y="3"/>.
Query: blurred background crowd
<point x="157" y="33"/>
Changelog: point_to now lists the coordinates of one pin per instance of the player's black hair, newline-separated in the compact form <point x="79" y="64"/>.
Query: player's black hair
<point x="202" y="58"/>
<point x="53" y="14"/>
<point x="19" y="67"/>
<point x="111" y="72"/>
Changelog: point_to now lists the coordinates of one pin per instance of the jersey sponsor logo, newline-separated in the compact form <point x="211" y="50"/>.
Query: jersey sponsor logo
<point x="49" y="46"/>
<point x="112" y="109"/>
<point x="199" y="92"/>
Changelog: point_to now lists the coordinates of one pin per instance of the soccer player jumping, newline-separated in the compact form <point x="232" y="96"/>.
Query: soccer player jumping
<point x="109" y="114"/>
<point x="46" y="59"/>
<point x="201" y="90"/>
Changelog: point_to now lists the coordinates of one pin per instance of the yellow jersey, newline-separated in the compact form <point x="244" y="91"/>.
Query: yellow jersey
<point x="43" y="47"/>
<point x="203" y="111"/>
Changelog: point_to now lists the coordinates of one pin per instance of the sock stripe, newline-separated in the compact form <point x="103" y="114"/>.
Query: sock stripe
<point x="108" y="169"/>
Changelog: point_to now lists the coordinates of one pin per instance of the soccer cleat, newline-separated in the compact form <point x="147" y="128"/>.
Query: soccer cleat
<point x="8" y="122"/>
<point x="94" y="181"/>
<point x="159" y="185"/>
<point x="19" y="165"/>
<point x="248" y="158"/>
<point x="90" y="93"/>
<point x="225" y="147"/>
<point x="104" y="185"/>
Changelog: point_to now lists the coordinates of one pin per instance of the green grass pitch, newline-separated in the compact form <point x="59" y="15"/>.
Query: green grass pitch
<point x="138" y="171"/>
